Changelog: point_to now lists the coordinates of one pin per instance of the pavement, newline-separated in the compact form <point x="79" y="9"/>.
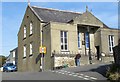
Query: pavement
<point x="87" y="72"/>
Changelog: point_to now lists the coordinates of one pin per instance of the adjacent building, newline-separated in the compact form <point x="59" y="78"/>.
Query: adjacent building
<point x="63" y="33"/>
<point x="13" y="57"/>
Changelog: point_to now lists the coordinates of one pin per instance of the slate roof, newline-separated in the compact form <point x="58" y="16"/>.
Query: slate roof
<point x="47" y="15"/>
<point x="14" y="49"/>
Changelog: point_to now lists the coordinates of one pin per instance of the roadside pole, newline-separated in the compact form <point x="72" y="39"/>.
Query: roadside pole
<point x="90" y="59"/>
<point x="42" y="55"/>
<point x="42" y="61"/>
<point x="42" y="51"/>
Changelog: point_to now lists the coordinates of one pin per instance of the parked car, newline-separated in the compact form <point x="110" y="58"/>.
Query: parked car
<point x="9" y="67"/>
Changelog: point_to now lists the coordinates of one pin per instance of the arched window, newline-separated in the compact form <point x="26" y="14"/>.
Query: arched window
<point x="24" y="51"/>
<point x="31" y="52"/>
<point x="31" y="27"/>
<point x="24" y="31"/>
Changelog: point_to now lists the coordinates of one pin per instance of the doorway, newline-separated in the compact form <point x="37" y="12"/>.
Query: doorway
<point x="98" y="52"/>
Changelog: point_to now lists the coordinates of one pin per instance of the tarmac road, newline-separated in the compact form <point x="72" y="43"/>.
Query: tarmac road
<point x="87" y="72"/>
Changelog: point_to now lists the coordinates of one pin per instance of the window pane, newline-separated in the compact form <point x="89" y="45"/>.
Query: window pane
<point x="65" y="47"/>
<point x="30" y="48"/>
<point x="65" y="40"/>
<point x="65" y="34"/>
<point x="87" y="40"/>
<point x="61" y="33"/>
<point x="78" y="39"/>
<point x="24" y="51"/>
<point x="112" y="44"/>
<point x="87" y="45"/>
<point x="111" y="38"/>
<point x="86" y="34"/>
<point x="61" y="40"/>
<point x="78" y="44"/>
<point x="13" y="53"/>
<point x="62" y="47"/>
<point x="31" y="26"/>
<point x="109" y="43"/>
<point x="24" y="31"/>
<point x="110" y="48"/>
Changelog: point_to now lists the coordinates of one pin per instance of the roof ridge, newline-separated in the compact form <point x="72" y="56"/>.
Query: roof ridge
<point x="57" y="10"/>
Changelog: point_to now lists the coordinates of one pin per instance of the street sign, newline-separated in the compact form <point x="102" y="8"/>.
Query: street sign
<point x="43" y="50"/>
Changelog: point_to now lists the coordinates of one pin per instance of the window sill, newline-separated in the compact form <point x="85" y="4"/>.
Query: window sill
<point x="24" y="38"/>
<point x="79" y="48"/>
<point x="24" y="57"/>
<point x="111" y="52"/>
<point x="87" y="48"/>
<point x="30" y="55"/>
<point x="30" y="35"/>
<point x="65" y="51"/>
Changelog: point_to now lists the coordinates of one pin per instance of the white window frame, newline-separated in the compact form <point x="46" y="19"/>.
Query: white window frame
<point x="25" y="31"/>
<point x="13" y="62"/>
<point x="13" y="54"/>
<point x="63" y="38"/>
<point x="79" y="40"/>
<point x="31" y="48"/>
<point x="24" y="51"/>
<point x="110" y="43"/>
<point x="31" y="28"/>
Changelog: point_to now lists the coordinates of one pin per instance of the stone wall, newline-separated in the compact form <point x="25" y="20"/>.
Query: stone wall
<point x="24" y="62"/>
<point x="84" y="60"/>
<point x="116" y="53"/>
<point x="70" y="61"/>
<point x="107" y="59"/>
<point x="61" y="61"/>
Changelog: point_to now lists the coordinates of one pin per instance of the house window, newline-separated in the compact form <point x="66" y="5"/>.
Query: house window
<point x="64" y="44"/>
<point x="31" y="52"/>
<point x="79" y="46"/>
<point x="111" y="43"/>
<point x="87" y="39"/>
<point x="13" y="54"/>
<point x="31" y="27"/>
<point x="24" y="49"/>
<point x="24" y="31"/>
<point x="14" y="62"/>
